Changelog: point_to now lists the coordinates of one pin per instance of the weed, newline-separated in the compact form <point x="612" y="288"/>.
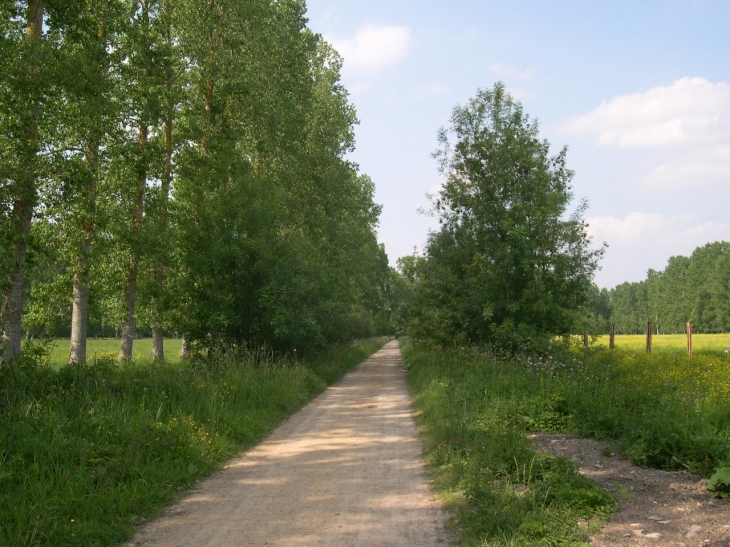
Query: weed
<point x="719" y="483"/>
<point x="89" y="451"/>
<point x="662" y="410"/>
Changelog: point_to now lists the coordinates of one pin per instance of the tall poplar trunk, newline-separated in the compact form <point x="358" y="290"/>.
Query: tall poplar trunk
<point x="11" y="310"/>
<point x="80" y="308"/>
<point x="130" y="289"/>
<point x="158" y="346"/>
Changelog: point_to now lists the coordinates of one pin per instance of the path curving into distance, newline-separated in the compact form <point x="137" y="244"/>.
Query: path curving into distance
<point x="345" y="471"/>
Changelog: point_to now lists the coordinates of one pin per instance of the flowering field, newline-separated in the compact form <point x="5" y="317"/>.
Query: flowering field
<point x="676" y="343"/>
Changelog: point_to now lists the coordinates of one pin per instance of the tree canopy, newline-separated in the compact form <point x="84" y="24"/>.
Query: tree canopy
<point x="694" y="288"/>
<point x="509" y="264"/>
<point x="180" y="167"/>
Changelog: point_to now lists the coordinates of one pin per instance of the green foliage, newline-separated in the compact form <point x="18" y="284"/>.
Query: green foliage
<point x="719" y="483"/>
<point x="506" y="267"/>
<point x="194" y="177"/>
<point x="88" y="451"/>
<point x="477" y="407"/>
<point x="475" y="413"/>
<point x="691" y="288"/>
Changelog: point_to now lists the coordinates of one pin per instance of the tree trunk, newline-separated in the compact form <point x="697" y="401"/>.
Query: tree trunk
<point x="158" y="347"/>
<point x="80" y="311"/>
<point x="11" y="309"/>
<point x="12" y="306"/>
<point x="130" y="290"/>
<point x="185" y="348"/>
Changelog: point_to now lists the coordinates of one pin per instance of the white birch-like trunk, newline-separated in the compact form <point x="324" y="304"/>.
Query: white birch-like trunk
<point x="184" y="348"/>
<point x="158" y="347"/>
<point x="79" y="315"/>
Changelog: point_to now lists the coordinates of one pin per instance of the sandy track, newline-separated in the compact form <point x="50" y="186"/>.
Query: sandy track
<point x="345" y="471"/>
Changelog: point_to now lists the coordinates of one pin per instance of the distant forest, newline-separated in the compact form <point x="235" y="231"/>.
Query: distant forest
<point x="695" y="288"/>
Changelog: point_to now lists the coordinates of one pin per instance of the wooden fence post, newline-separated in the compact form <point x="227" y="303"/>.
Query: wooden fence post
<point x="585" y="339"/>
<point x="689" y="339"/>
<point x="611" y="336"/>
<point x="648" y="338"/>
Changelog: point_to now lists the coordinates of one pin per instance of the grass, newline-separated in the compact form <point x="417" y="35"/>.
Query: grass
<point x="59" y="350"/>
<point x="477" y="410"/>
<point x="87" y="452"/>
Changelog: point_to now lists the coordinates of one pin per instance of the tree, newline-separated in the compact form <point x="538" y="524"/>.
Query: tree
<point x="506" y="266"/>
<point x="24" y="84"/>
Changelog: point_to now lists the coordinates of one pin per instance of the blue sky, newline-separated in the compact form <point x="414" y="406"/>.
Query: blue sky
<point x="639" y="92"/>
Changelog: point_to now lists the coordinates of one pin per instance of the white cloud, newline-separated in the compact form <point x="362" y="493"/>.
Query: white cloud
<point x="512" y="71"/>
<point x="640" y="241"/>
<point x="521" y="94"/>
<point x="374" y="48"/>
<point x="706" y="167"/>
<point x="691" y="111"/>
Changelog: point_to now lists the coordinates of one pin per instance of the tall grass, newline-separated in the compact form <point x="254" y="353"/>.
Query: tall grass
<point x="477" y="410"/>
<point x="87" y="452"/>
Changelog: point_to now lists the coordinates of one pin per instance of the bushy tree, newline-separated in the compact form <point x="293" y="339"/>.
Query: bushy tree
<point x="508" y="266"/>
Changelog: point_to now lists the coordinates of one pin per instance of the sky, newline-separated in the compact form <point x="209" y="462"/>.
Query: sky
<point x="639" y="92"/>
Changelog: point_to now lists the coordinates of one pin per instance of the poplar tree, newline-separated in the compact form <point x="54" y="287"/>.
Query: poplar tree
<point x="24" y="85"/>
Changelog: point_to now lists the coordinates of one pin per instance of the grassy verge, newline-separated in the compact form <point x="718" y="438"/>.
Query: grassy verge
<point x="87" y="452"/>
<point x="472" y="412"/>
<point x="476" y="413"/>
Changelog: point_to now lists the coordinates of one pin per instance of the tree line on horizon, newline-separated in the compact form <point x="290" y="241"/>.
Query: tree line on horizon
<point x="692" y="289"/>
<point x="178" y="166"/>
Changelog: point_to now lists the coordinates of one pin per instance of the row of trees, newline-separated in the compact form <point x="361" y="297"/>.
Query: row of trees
<point x="178" y="166"/>
<point x="509" y="266"/>
<point x="695" y="288"/>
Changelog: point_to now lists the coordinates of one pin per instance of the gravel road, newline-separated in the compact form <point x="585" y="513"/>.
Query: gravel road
<point x="345" y="471"/>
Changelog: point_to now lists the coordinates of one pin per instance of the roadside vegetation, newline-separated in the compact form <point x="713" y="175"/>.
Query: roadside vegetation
<point x="477" y="410"/>
<point x="89" y="451"/>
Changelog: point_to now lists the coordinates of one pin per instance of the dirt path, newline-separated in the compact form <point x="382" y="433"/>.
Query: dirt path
<point x="345" y="471"/>
<point x="657" y="508"/>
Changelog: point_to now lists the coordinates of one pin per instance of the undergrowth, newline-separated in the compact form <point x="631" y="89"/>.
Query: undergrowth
<point x="87" y="452"/>
<point x="477" y="410"/>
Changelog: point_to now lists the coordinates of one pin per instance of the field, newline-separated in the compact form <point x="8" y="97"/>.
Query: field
<point x="674" y="343"/>
<point x="477" y="410"/>
<point x="87" y="452"/>
<point x="109" y="347"/>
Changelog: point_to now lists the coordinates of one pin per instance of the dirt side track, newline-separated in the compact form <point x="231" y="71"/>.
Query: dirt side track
<point x="345" y="471"/>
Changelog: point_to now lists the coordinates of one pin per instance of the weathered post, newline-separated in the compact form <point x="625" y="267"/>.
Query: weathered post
<point x="611" y="336"/>
<point x="689" y="339"/>
<point x="585" y="339"/>
<point x="648" y="338"/>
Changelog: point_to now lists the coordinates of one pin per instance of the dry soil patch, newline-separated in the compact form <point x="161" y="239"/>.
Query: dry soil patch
<point x="657" y="508"/>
